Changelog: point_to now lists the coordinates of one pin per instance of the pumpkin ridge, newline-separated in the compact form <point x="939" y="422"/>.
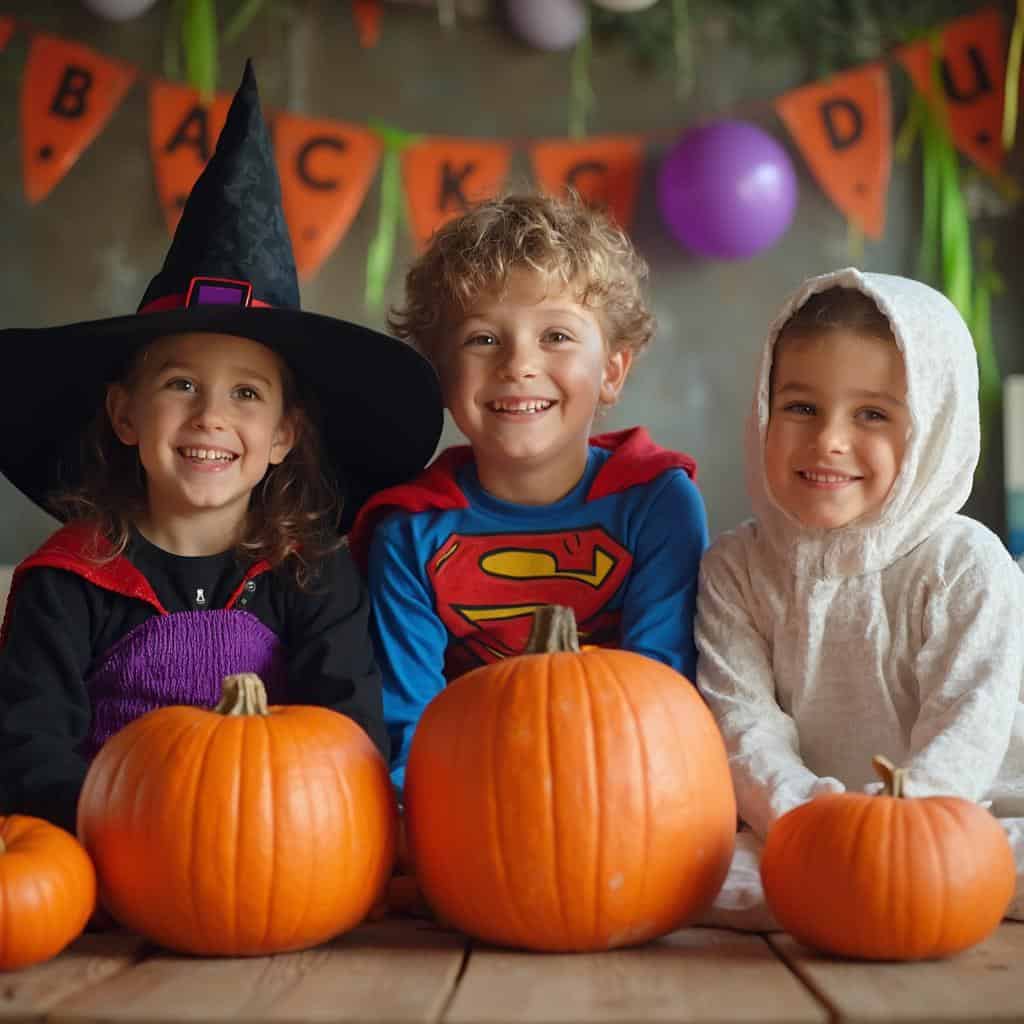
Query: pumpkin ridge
<point x="207" y="736"/>
<point x="237" y="902"/>
<point x="861" y="838"/>
<point x="268" y="747"/>
<point x="507" y="688"/>
<point x="595" y="802"/>
<point x="646" y="770"/>
<point x="556" y="872"/>
<point x="941" y="922"/>
<point x="344" y="793"/>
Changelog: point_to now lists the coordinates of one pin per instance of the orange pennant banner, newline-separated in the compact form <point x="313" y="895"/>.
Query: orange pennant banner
<point x="444" y="176"/>
<point x="325" y="169"/>
<point x="183" y="133"/>
<point x="604" y="171"/>
<point x="972" y="73"/>
<point x="6" y="31"/>
<point x="843" y="127"/>
<point x="67" y="95"/>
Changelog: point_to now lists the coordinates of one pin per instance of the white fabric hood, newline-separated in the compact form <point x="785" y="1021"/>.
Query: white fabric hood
<point x="943" y="446"/>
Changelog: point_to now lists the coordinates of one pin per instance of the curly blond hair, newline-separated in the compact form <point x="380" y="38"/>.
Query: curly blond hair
<point x="564" y="240"/>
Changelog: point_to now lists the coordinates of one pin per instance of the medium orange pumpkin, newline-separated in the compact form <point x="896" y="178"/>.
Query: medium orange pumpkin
<point x="569" y="800"/>
<point x="47" y="890"/>
<point x="888" y="877"/>
<point x="245" y="830"/>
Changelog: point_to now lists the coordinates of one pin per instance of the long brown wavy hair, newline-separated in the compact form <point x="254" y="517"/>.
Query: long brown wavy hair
<point x="293" y="512"/>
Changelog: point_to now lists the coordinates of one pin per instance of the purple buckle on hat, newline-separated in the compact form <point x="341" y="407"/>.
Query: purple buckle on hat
<point x="218" y="291"/>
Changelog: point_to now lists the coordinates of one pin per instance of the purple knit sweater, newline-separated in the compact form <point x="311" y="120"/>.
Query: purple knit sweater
<point x="179" y="658"/>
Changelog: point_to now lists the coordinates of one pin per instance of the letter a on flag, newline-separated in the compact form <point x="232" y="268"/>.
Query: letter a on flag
<point x="183" y="134"/>
<point x="972" y="74"/>
<point x="68" y="93"/>
<point x="325" y="169"/>
<point x="603" y="170"/>
<point x="444" y="176"/>
<point x="843" y="128"/>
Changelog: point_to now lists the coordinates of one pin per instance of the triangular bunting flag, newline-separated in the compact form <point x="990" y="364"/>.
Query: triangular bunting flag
<point x="6" y="31"/>
<point x="603" y="170"/>
<point x="972" y="75"/>
<point x="444" y="176"/>
<point x="67" y="95"/>
<point x="183" y="134"/>
<point x="843" y="128"/>
<point x="325" y="169"/>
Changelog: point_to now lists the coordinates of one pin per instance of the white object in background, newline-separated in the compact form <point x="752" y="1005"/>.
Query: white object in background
<point x="1013" y="456"/>
<point x="118" y="10"/>
<point x="625" y="5"/>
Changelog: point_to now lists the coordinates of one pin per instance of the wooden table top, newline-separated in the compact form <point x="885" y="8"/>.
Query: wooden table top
<point x="403" y="971"/>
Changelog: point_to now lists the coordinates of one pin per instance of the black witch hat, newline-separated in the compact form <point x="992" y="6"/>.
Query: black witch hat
<point x="230" y="270"/>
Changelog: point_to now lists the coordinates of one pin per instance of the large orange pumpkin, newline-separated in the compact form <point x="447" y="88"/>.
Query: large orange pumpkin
<point x="888" y="877"/>
<point x="569" y="800"/>
<point x="47" y="890"/>
<point x="245" y="830"/>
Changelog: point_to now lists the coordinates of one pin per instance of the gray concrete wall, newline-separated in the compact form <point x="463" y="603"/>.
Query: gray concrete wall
<point x="90" y="248"/>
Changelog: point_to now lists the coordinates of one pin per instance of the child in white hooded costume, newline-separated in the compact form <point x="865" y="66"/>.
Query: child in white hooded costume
<point x="859" y="613"/>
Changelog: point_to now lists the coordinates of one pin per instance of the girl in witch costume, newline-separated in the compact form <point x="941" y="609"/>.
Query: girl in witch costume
<point x="201" y="534"/>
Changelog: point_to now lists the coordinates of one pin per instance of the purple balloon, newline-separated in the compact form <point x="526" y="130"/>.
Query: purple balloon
<point x="727" y="190"/>
<point x="547" y="24"/>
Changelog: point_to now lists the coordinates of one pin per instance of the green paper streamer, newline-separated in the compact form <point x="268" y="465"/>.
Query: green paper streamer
<point x="1010" y="93"/>
<point x="681" y="49"/>
<point x="381" y="251"/>
<point x="199" y="37"/>
<point x="990" y="383"/>
<point x="241" y="19"/>
<point x="581" y="93"/>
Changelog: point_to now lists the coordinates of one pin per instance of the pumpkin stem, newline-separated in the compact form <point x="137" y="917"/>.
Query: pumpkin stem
<point x="242" y="694"/>
<point x="890" y="775"/>
<point x="554" y="629"/>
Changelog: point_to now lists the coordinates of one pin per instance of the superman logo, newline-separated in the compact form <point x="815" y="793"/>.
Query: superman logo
<point x="487" y="586"/>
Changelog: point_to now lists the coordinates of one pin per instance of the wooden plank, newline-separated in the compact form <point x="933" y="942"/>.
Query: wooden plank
<point x="981" y="984"/>
<point x="389" y="971"/>
<point x="695" y="975"/>
<point x="26" y="995"/>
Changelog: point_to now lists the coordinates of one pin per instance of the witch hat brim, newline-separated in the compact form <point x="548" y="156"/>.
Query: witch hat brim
<point x="229" y="270"/>
<point x="380" y="406"/>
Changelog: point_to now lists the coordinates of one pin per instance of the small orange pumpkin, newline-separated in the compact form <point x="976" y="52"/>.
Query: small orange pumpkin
<point x="568" y="800"/>
<point x="245" y="830"/>
<point x="888" y="877"/>
<point x="47" y="890"/>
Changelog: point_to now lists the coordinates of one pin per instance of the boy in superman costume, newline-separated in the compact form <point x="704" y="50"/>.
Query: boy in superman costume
<point x="530" y="309"/>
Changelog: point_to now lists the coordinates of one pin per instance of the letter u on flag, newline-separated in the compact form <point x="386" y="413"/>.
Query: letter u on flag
<point x="67" y="95"/>
<point x="843" y="128"/>
<point x="444" y="176"/>
<point x="972" y="77"/>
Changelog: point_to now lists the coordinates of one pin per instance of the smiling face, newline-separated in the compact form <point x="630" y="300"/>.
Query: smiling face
<point x="206" y="412"/>
<point x="838" y="425"/>
<point x="523" y="374"/>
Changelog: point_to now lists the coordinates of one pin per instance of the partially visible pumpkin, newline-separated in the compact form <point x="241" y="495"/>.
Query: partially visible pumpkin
<point x="888" y="877"/>
<point x="569" y="800"/>
<point x="47" y="890"/>
<point x="245" y="830"/>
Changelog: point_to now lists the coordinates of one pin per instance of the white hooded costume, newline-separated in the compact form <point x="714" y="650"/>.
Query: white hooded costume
<point x="900" y="634"/>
